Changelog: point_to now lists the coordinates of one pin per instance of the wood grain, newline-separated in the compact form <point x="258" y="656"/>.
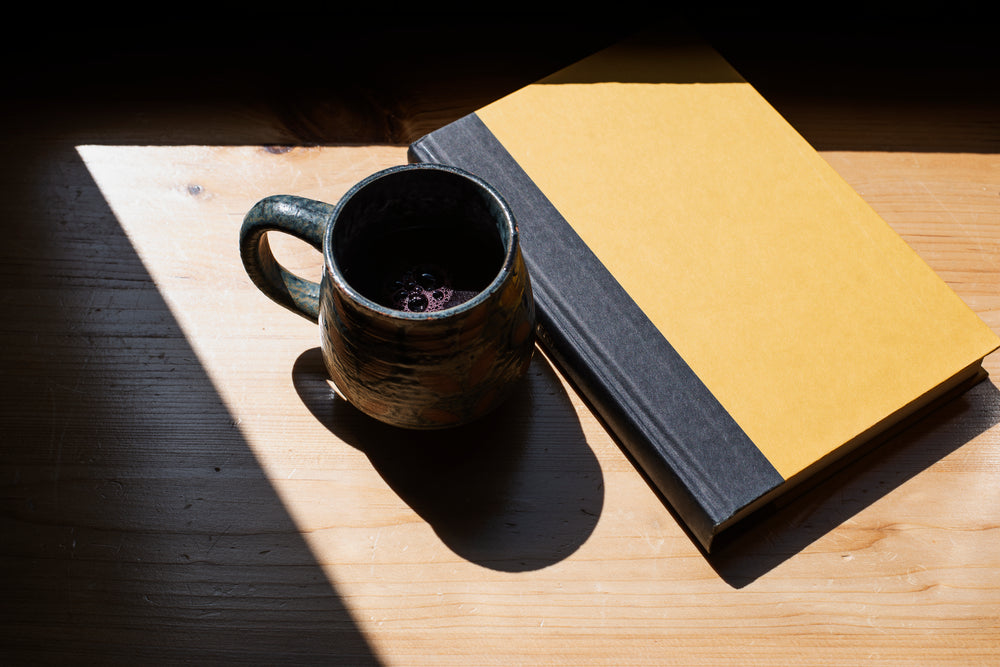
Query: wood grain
<point x="179" y="484"/>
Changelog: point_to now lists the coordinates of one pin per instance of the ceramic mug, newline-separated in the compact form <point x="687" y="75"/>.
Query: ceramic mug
<point x="425" y="308"/>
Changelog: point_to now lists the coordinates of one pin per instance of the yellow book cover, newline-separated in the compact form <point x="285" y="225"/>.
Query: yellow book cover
<point x="735" y="311"/>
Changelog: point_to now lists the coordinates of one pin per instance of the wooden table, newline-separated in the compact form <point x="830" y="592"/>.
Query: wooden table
<point x="179" y="485"/>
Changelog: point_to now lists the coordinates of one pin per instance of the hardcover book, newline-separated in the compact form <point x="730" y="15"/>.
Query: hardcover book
<point x="735" y="313"/>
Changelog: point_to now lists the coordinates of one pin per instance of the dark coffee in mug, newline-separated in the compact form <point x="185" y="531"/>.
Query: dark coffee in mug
<point x="424" y="270"/>
<point x="425" y="287"/>
<point x="416" y="255"/>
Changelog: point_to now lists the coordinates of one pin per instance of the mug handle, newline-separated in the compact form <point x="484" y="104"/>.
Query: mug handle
<point x="305" y="219"/>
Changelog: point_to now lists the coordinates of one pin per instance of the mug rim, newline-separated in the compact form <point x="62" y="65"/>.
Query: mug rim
<point x="332" y="269"/>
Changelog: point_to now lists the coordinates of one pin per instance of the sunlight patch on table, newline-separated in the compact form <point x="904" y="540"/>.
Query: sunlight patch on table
<point x="181" y="208"/>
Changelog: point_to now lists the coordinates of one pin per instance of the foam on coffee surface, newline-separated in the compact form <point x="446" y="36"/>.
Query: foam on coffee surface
<point x="424" y="288"/>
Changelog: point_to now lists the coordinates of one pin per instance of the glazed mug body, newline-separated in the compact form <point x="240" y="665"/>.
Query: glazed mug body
<point x="425" y="308"/>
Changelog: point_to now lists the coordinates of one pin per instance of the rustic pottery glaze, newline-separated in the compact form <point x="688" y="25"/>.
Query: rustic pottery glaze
<point x="419" y="370"/>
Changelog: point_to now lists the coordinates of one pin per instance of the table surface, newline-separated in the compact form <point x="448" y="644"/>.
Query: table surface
<point x="179" y="484"/>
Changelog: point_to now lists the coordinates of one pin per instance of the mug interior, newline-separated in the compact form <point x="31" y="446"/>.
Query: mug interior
<point x="420" y="239"/>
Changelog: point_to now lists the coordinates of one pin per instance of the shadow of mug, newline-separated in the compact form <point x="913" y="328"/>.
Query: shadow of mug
<point x="517" y="490"/>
